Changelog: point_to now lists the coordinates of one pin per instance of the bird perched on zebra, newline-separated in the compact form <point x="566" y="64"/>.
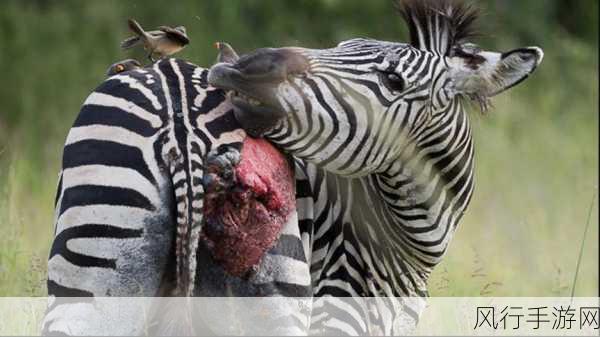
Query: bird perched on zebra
<point x="380" y="133"/>
<point x="123" y="66"/>
<point x="165" y="41"/>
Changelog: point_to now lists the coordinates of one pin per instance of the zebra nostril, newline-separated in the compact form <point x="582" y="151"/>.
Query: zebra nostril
<point x="272" y="65"/>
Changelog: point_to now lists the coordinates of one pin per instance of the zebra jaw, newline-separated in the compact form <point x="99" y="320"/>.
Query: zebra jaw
<point x="255" y="106"/>
<point x="238" y="96"/>
<point x="255" y="118"/>
<point x="226" y="77"/>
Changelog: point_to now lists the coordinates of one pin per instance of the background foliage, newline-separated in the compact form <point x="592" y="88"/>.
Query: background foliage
<point x="537" y="152"/>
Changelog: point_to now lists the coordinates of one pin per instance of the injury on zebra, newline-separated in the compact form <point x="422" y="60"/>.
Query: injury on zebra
<point x="249" y="198"/>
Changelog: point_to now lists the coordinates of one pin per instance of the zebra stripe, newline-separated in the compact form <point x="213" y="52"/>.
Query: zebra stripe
<point x="129" y="202"/>
<point x="375" y="234"/>
<point x="384" y="149"/>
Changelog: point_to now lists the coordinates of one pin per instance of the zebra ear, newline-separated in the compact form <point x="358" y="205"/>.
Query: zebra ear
<point x="486" y="74"/>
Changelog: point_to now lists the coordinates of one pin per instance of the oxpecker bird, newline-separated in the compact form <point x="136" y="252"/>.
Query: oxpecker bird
<point x="165" y="41"/>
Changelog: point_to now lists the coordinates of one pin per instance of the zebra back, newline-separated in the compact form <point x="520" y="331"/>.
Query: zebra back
<point x="130" y="202"/>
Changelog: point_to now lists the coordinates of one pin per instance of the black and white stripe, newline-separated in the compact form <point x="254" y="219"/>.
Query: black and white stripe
<point x="401" y="168"/>
<point x="384" y="151"/>
<point x="129" y="201"/>
<point x="383" y="161"/>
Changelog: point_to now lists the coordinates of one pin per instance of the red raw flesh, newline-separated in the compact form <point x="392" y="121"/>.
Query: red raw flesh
<point x="249" y="217"/>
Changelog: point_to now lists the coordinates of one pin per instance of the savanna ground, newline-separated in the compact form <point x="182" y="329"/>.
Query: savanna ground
<point x="537" y="150"/>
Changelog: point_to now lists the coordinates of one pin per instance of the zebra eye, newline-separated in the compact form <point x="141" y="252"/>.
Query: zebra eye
<point x="393" y="81"/>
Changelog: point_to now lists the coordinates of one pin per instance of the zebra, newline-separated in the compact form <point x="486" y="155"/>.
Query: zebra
<point x="129" y="205"/>
<point x="384" y="149"/>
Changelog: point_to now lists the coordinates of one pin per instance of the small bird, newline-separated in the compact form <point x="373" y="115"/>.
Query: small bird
<point x="226" y="53"/>
<point x="165" y="41"/>
<point x="122" y="66"/>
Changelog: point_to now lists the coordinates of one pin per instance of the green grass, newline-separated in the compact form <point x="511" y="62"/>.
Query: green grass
<point x="522" y="232"/>
<point x="537" y="151"/>
<point x="25" y="233"/>
<point x="536" y="175"/>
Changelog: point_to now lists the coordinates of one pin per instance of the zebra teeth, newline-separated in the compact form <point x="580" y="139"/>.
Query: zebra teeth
<point x="253" y="101"/>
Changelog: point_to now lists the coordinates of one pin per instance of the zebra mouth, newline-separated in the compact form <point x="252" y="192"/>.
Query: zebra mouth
<point x="255" y="106"/>
<point x="242" y="89"/>
<point x="238" y="98"/>
<point x="255" y="117"/>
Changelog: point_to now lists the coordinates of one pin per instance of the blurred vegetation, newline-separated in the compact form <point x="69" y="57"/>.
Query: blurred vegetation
<point x="537" y="152"/>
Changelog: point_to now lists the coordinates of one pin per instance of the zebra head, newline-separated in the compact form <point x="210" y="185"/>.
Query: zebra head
<point x="352" y="109"/>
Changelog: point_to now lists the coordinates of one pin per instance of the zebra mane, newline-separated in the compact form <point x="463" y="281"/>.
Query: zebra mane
<point x="438" y="25"/>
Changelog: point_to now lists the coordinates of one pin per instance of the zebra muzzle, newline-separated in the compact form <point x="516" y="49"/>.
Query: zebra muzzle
<point x="256" y="108"/>
<point x="253" y="83"/>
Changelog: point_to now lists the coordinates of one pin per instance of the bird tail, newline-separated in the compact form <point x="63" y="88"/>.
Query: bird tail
<point x="135" y="27"/>
<point x="130" y="42"/>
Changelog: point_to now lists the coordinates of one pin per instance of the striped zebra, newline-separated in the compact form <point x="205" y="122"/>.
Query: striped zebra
<point x="129" y="204"/>
<point x="385" y="152"/>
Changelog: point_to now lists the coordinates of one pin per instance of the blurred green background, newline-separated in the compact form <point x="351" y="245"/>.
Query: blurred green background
<point x="537" y="151"/>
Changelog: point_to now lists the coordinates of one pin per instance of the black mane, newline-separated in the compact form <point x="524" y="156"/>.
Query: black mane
<point x="455" y="19"/>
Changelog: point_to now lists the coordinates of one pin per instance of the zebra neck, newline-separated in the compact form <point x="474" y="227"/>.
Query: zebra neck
<point x="427" y="191"/>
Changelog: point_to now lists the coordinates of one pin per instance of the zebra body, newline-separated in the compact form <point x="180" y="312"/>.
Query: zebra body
<point x="129" y="203"/>
<point x="383" y="157"/>
<point x="387" y="147"/>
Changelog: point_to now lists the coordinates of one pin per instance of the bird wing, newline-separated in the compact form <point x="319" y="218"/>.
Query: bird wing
<point x="135" y="27"/>
<point x="177" y="34"/>
<point x="130" y="42"/>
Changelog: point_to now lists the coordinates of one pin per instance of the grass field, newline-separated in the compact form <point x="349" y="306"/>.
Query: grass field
<point x="536" y="166"/>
